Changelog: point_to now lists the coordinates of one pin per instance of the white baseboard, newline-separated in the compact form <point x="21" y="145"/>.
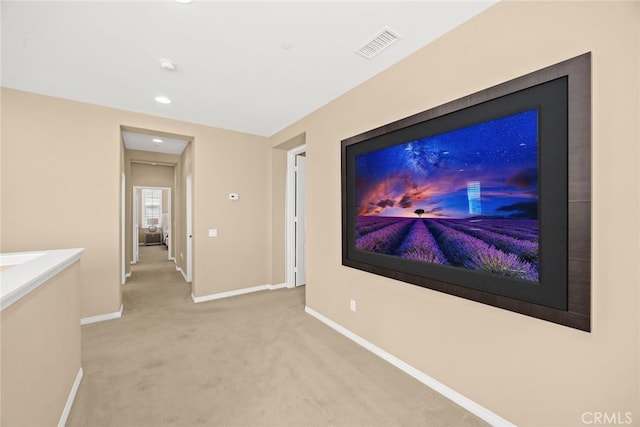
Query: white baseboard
<point x="235" y="292"/>
<point x="466" y="403"/>
<point x="72" y="396"/>
<point x="102" y="317"/>
<point x="182" y="272"/>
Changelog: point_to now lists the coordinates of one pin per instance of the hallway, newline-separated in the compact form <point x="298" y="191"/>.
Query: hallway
<point x="154" y="282"/>
<point x="251" y="360"/>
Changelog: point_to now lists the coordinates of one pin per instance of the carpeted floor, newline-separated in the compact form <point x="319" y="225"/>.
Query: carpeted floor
<point x="251" y="360"/>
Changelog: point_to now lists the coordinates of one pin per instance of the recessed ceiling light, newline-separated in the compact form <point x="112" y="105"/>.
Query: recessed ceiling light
<point x="167" y="64"/>
<point x="163" y="99"/>
<point x="287" y="45"/>
<point x="158" y="140"/>
<point x="184" y="1"/>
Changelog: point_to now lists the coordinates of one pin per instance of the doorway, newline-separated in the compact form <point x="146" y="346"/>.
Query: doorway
<point x="296" y="274"/>
<point x="151" y="208"/>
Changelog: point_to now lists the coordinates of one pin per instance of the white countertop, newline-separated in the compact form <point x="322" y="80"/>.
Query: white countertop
<point x="22" y="272"/>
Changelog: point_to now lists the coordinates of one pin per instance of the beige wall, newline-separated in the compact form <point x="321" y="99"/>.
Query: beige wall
<point x="239" y="257"/>
<point x="529" y="371"/>
<point x="278" y="214"/>
<point x="41" y="351"/>
<point x="62" y="158"/>
<point x="144" y="175"/>
<point x="66" y="157"/>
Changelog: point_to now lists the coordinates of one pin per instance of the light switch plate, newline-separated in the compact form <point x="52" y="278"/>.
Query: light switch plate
<point x="233" y="196"/>
<point x="213" y="232"/>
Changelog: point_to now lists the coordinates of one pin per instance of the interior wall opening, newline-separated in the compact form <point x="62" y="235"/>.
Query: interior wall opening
<point x="154" y="167"/>
<point x="152" y="219"/>
<point x="296" y="270"/>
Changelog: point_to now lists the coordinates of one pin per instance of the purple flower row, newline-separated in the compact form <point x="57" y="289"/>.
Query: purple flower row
<point x="524" y="225"/>
<point x="497" y="262"/>
<point x="420" y="245"/>
<point x="367" y="224"/>
<point x="463" y="250"/>
<point x="527" y="250"/>
<point x="385" y="240"/>
<point x="516" y="234"/>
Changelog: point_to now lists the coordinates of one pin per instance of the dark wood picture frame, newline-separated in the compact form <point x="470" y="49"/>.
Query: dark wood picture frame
<point x="565" y="212"/>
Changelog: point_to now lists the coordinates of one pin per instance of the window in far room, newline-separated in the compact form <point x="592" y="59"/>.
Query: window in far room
<point x="151" y="207"/>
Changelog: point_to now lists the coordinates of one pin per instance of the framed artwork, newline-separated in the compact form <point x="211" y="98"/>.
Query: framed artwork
<point x="486" y="197"/>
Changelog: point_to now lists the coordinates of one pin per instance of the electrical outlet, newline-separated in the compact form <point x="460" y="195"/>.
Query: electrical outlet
<point x="353" y="305"/>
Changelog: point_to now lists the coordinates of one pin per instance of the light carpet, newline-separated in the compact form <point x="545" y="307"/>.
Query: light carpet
<point x="250" y="360"/>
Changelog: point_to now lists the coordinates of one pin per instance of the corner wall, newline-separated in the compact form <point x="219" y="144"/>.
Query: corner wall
<point x="526" y="370"/>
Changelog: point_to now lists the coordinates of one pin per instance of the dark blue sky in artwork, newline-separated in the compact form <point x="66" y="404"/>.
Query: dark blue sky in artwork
<point x="443" y="173"/>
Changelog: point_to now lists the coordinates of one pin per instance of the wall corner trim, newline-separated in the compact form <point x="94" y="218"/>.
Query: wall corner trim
<point x="228" y="294"/>
<point x="454" y="396"/>
<point x="102" y="317"/>
<point x="72" y="397"/>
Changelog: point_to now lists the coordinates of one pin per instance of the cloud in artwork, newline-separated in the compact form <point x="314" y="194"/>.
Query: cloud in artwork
<point x="528" y="210"/>
<point x="386" y="203"/>
<point x="524" y="178"/>
<point x="406" y="201"/>
<point x="434" y="211"/>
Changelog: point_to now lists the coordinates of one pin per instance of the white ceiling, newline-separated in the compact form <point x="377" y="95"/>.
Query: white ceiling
<point x="233" y="71"/>
<point x="156" y="144"/>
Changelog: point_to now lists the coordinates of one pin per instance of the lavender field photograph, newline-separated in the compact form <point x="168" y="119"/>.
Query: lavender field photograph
<point x="466" y="198"/>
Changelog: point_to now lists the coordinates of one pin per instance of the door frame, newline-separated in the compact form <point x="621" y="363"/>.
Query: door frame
<point x="189" y="228"/>
<point x="123" y="232"/>
<point x="135" y="226"/>
<point x="290" y="226"/>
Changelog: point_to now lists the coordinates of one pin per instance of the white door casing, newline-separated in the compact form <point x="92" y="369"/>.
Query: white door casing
<point x="137" y="191"/>
<point x="189" y="234"/>
<point x="123" y="216"/>
<point x="300" y="262"/>
<point x="135" y="239"/>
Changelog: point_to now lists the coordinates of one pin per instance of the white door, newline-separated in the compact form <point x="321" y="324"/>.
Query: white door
<point x="189" y="239"/>
<point x="300" y="266"/>
<point x="136" y="253"/>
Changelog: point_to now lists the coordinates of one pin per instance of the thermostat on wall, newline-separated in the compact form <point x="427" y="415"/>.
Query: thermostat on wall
<point x="233" y="196"/>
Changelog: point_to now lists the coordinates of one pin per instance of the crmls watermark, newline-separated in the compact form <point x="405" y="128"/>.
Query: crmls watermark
<point x="607" y="418"/>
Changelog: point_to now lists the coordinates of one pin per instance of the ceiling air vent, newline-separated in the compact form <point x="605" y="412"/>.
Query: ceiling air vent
<point x="378" y="43"/>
